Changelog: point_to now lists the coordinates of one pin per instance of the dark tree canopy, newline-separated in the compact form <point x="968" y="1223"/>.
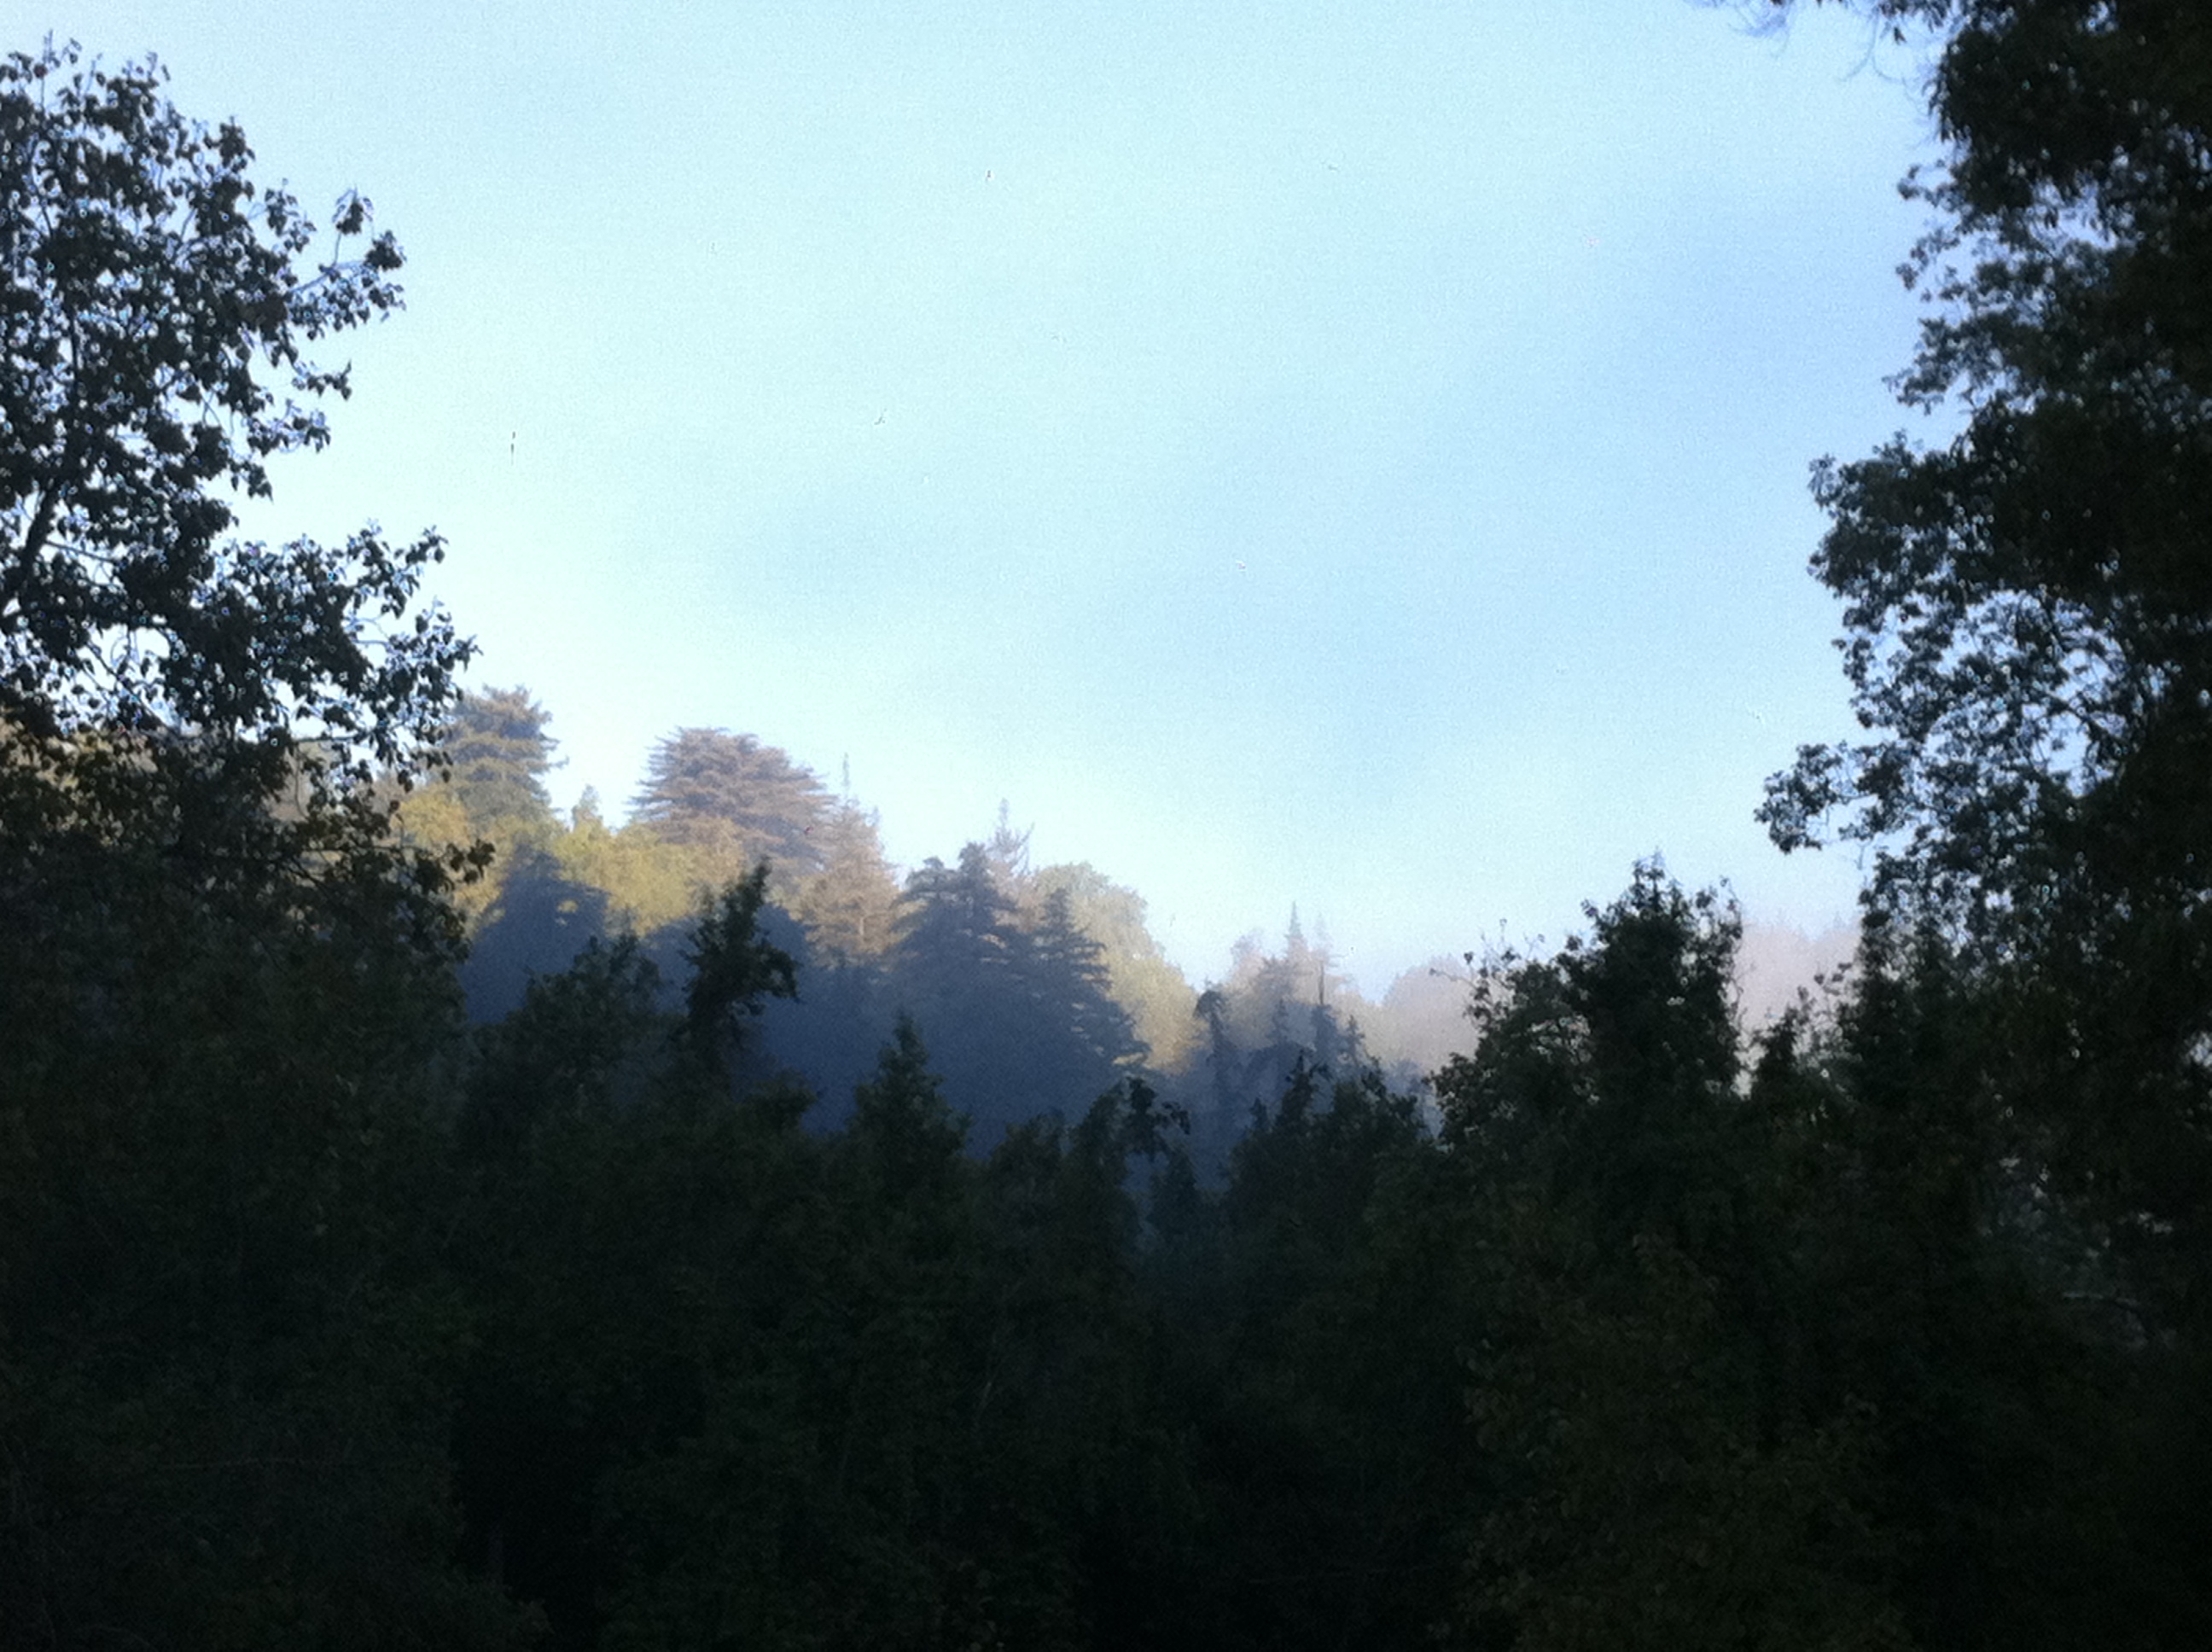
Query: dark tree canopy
<point x="2029" y="603"/>
<point x="1019" y="1012"/>
<point x="326" y="1322"/>
<point x="225" y="993"/>
<point x="157" y="308"/>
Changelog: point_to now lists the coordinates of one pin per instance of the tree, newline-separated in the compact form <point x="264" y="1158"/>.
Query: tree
<point x="1008" y="852"/>
<point x="960" y="968"/>
<point x="1660" y="1483"/>
<point x="959" y="924"/>
<point x="734" y="970"/>
<point x="850" y="907"/>
<point x="225" y="982"/>
<point x="1154" y="993"/>
<point x="734" y="799"/>
<point x="500" y="755"/>
<point x="1091" y="1040"/>
<point x="171" y="682"/>
<point x="1019" y="1012"/>
<point x="2029" y="604"/>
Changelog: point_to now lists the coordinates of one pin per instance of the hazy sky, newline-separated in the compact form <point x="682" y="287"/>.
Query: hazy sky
<point x="1347" y="455"/>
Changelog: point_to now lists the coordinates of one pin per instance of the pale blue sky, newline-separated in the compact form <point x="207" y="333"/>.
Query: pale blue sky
<point x="1351" y="455"/>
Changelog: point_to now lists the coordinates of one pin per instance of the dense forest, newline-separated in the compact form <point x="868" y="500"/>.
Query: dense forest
<point x="1035" y="989"/>
<point x="428" y="1222"/>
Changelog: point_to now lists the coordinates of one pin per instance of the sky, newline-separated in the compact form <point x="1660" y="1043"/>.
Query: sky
<point x="1346" y="456"/>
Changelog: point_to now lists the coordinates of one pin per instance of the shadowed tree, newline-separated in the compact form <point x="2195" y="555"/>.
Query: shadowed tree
<point x="1659" y="1484"/>
<point x="1092" y="1041"/>
<point x="223" y="980"/>
<point x="1153" y="992"/>
<point x="1020" y="1014"/>
<point x="734" y="971"/>
<point x="2029" y="618"/>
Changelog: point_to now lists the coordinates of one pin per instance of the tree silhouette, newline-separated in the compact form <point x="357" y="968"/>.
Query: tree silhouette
<point x="224" y="981"/>
<point x="2027" y="637"/>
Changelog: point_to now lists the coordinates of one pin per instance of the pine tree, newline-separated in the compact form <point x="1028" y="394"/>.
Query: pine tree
<point x="499" y="754"/>
<point x="736" y="801"/>
<point x="850" y="906"/>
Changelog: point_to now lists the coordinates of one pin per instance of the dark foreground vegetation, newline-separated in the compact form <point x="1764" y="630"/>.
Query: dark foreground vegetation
<point x="328" y="1319"/>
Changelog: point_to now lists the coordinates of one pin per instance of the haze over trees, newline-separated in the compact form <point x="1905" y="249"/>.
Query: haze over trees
<point x="428" y="1222"/>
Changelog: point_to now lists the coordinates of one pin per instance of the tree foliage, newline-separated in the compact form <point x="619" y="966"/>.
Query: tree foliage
<point x="226" y="1376"/>
<point x="2029" y="603"/>
<point x="735" y="799"/>
<point x="159" y="306"/>
<point x="498" y="753"/>
<point x="325" y="1321"/>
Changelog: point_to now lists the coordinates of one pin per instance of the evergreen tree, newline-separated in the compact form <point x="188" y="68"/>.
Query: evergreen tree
<point x="499" y="753"/>
<point x="1157" y="998"/>
<point x="734" y="800"/>
<point x="959" y="927"/>
<point x="1019" y="1007"/>
<point x="1071" y="987"/>
<point x="1007" y="852"/>
<point x="849" y="907"/>
<point x="960" y="968"/>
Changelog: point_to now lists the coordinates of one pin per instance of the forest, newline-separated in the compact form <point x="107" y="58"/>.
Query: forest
<point x="428" y="1221"/>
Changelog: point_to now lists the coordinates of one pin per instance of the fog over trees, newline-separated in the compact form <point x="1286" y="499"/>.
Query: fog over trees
<point x="428" y="1220"/>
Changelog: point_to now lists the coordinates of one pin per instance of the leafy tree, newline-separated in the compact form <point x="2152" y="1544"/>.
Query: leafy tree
<point x="2029" y="643"/>
<point x="733" y="969"/>
<point x="1317" y="1363"/>
<point x="1950" y="1287"/>
<point x="230" y="1341"/>
<point x="636" y="1234"/>
<point x="1661" y="1485"/>
<point x="649" y="883"/>
<point x="2029" y="604"/>
<point x="572" y="1047"/>
<point x="170" y="683"/>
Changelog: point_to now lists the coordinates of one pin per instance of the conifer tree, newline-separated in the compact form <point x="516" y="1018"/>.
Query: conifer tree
<point x="735" y="800"/>
<point x="850" y="906"/>
<point x="499" y="753"/>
